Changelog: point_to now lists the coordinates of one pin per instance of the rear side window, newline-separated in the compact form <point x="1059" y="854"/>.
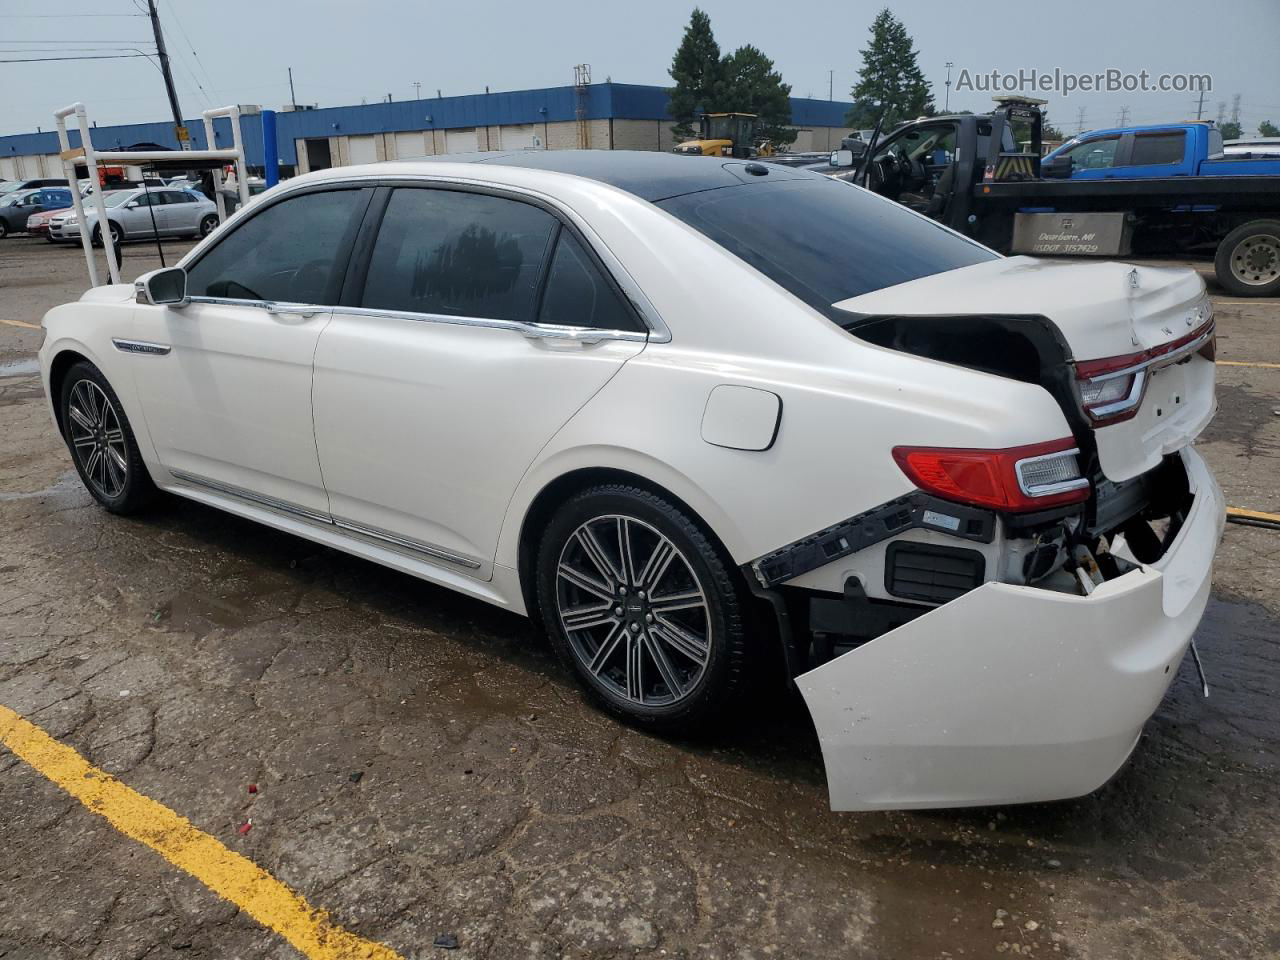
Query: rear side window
<point x="293" y="251"/>
<point x="1158" y="148"/>
<point x="824" y="240"/>
<point x="458" y="254"/>
<point x="578" y="295"/>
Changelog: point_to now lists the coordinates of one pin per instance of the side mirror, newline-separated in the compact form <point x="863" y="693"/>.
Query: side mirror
<point x="166" y="287"/>
<point x="131" y="205"/>
<point x="842" y="158"/>
<point x="1059" y="168"/>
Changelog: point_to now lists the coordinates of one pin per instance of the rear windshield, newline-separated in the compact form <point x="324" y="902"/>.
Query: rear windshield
<point x="824" y="240"/>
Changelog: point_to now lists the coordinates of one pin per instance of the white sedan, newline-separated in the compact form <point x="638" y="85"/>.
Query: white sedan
<point x="704" y="420"/>
<point x="138" y="213"/>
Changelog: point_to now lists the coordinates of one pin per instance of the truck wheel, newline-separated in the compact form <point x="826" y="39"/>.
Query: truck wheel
<point x="1248" y="260"/>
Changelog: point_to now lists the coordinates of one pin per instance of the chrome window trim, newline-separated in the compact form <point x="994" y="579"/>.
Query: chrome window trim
<point x="534" y="331"/>
<point x="659" y="332"/>
<point x="1049" y="489"/>
<point x="349" y="526"/>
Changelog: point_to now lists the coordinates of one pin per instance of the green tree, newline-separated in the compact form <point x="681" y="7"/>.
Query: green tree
<point x="1268" y="129"/>
<point x="1230" y="130"/>
<point x="750" y="84"/>
<point x="890" y="83"/>
<point x="696" y="70"/>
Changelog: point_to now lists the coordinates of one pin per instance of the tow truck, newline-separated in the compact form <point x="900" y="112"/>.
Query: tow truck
<point x="947" y="168"/>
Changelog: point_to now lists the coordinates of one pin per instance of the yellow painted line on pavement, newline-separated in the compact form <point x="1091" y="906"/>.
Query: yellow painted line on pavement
<point x="20" y="323"/>
<point x="228" y="874"/>
<point x="1244" y="363"/>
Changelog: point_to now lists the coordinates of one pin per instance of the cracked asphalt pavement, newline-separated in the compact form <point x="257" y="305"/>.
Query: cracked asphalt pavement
<point x="424" y="767"/>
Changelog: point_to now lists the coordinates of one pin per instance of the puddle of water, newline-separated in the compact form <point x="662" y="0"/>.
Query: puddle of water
<point x="20" y="368"/>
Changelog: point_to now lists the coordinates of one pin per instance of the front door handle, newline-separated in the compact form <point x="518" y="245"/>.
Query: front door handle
<point x="294" y="309"/>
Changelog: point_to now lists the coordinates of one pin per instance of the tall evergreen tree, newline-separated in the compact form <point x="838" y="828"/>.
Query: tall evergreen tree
<point x="1268" y="129"/>
<point x="696" y="71"/>
<point x="890" y="83"/>
<point x="749" y="84"/>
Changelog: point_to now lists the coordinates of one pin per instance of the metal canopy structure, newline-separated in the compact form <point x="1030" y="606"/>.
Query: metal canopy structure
<point x="213" y="160"/>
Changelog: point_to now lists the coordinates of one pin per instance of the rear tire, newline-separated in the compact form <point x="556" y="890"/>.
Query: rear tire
<point x="657" y="638"/>
<point x="1248" y="260"/>
<point x="207" y="225"/>
<point x="4" y="229"/>
<point x="101" y="441"/>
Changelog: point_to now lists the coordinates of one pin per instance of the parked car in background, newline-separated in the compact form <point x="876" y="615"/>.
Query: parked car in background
<point x="130" y="213"/>
<point x="38" y="223"/>
<point x="1257" y="147"/>
<point x="17" y="208"/>
<point x="1164" y="150"/>
<point x="954" y="493"/>
<point x="11" y="186"/>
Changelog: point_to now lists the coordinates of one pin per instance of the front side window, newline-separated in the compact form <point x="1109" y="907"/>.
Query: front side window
<point x="578" y="295"/>
<point x="458" y="254"/>
<point x="1097" y="154"/>
<point x="824" y="240"/>
<point x="1158" y="148"/>
<point x="290" y="252"/>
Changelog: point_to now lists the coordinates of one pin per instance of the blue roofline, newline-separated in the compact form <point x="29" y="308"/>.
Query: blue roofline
<point x="623" y="101"/>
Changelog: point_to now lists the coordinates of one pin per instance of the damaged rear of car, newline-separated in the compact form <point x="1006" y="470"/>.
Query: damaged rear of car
<point x="1001" y="632"/>
<point x="1039" y="598"/>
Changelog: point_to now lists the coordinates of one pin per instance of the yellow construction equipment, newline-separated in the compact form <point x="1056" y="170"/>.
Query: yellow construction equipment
<point x="727" y="135"/>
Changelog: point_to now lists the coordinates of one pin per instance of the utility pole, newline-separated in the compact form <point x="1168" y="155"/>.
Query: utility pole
<point x="947" y="106"/>
<point x="417" y="90"/>
<point x="184" y="138"/>
<point x="1235" y="109"/>
<point x="293" y="97"/>
<point x="1123" y="119"/>
<point x="1080" y="122"/>
<point x="1200" y="106"/>
<point x="831" y="84"/>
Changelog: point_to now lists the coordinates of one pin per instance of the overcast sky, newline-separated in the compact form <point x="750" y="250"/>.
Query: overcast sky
<point x="238" y="51"/>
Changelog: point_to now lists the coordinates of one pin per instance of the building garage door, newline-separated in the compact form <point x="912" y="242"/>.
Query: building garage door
<point x="409" y="145"/>
<point x="461" y="141"/>
<point x="9" y="168"/>
<point x="362" y="150"/>
<point x="518" y="136"/>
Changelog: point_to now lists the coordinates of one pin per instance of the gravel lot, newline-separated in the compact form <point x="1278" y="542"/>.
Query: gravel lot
<point x="193" y="654"/>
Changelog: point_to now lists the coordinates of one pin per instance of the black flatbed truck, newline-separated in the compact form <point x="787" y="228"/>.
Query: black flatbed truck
<point x="943" y="167"/>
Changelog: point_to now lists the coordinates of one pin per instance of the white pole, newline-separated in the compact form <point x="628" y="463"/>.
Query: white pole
<point x="104" y="227"/>
<point x="69" y="169"/>
<point x="217" y="171"/>
<point x="242" y="169"/>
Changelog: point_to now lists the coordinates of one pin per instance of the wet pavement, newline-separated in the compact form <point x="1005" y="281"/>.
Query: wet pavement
<point x="423" y="766"/>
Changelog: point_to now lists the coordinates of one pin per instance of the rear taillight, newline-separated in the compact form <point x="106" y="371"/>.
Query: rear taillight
<point x="1014" y="479"/>
<point x="1111" y="389"/>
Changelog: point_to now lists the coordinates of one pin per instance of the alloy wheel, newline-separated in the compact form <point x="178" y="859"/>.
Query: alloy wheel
<point x="98" y="439"/>
<point x="634" y="611"/>
<point x="1256" y="260"/>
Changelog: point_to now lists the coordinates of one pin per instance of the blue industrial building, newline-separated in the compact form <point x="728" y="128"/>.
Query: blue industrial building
<point x="604" y="115"/>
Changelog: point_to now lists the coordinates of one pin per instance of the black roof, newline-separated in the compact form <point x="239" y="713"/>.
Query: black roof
<point x="649" y="175"/>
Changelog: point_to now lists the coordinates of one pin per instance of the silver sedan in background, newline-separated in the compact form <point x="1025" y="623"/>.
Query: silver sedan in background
<point x="139" y="213"/>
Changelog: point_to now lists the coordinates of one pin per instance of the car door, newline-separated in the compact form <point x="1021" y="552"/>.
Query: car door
<point x="225" y="382"/>
<point x="1158" y="153"/>
<point x="480" y="325"/>
<point x="135" y="215"/>
<point x="1094" y="158"/>
<point x="182" y="213"/>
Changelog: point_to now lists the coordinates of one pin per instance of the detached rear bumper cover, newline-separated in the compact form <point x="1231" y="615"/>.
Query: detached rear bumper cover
<point x="1013" y="694"/>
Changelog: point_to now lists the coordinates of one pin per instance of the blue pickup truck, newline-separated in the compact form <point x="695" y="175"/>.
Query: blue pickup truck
<point x="1141" y="153"/>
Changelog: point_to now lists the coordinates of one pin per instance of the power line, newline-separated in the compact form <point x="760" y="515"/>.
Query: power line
<point x="60" y="16"/>
<point x="114" y="56"/>
<point x="192" y="47"/>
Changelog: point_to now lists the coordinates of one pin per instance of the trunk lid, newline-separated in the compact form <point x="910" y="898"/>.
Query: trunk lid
<point x="1156" y="315"/>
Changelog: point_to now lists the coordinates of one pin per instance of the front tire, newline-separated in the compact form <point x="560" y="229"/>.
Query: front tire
<point x="4" y="229"/>
<point x="117" y="235"/>
<point x="101" y="441"/>
<point x="1248" y="260"/>
<point x="644" y="608"/>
